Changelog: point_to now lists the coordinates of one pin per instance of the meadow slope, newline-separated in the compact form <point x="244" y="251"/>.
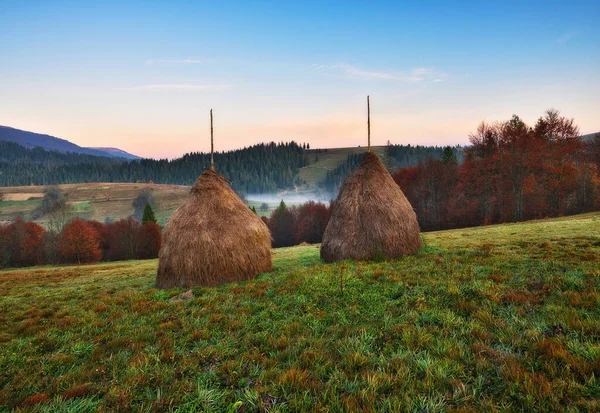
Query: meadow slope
<point x="93" y="200"/>
<point x="498" y="318"/>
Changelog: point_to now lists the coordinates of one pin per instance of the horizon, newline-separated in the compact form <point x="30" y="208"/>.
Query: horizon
<point x="142" y="77"/>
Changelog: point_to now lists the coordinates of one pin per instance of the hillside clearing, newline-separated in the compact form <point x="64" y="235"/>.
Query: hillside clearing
<point x="326" y="160"/>
<point x="498" y="318"/>
<point x="97" y="201"/>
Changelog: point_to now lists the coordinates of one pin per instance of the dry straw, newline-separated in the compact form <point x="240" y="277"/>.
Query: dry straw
<point x="371" y="217"/>
<point x="213" y="238"/>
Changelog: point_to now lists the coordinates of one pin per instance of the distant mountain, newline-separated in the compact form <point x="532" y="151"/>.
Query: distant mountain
<point x="37" y="140"/>
<point x="589" y="136"/>
<point x="115" y="152"/>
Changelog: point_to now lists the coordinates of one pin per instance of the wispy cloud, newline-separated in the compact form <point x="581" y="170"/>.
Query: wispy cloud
<point x="416" y="75"/>
<point x="565" y="38"/>
<point x="179" y="86"/>
<point x="181" y="61"/>
<point x="345" y="70"/>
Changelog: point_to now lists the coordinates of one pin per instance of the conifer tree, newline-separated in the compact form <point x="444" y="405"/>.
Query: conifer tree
<point x="148" y="215"/>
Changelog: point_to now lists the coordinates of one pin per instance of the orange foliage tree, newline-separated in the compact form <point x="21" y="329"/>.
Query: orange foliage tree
<point x="21" y="244"/>
<point x="79" y="242"/>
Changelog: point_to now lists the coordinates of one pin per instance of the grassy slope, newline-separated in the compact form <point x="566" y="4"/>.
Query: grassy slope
<point x="93" y="201"/>
<point x="488" y="319"/>
<point x="328" y="159"/>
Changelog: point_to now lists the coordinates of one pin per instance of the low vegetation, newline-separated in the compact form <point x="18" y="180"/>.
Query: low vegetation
<point x="499" y="318"/>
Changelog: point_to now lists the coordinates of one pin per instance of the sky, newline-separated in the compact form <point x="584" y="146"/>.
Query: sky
<point x="142" y="76"/>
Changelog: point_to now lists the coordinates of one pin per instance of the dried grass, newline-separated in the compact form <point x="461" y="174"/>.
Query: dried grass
<point x="213" y="238"/>
<point x="371" y="217"/>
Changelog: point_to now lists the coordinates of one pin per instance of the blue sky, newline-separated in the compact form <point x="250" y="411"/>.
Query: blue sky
<point x="142" y="76"/>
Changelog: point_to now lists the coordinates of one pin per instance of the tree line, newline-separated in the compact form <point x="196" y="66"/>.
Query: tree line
<point x="28" y="243"/>
<point x="260" y="168"/>
<point x="511" y="172"/>
<point x="69" y="239"/>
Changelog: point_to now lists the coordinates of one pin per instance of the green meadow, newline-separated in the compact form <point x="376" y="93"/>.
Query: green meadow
<point x="497" y="318"/>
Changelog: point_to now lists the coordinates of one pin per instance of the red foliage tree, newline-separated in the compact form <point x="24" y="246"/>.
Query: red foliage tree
<point x="149" y="240"/>
<point x="429" y="187"/>
<point x="33" y="244"/>
<point x="510" y="172"/>
<point x="79" y="243"/>
<point x="122" y="239"/>
<point x="21" y="244"/>
<point x="102" y="231"/>
<point x="311" y="218"/>
<point x="282" y="225"/>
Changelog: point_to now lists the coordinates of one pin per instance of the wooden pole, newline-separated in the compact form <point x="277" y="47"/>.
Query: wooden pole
<point x="368" y="125"/>
<point x="212" y="146"/>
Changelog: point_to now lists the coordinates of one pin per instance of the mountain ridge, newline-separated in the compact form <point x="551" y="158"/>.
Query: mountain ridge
<point x="29" y="139"/>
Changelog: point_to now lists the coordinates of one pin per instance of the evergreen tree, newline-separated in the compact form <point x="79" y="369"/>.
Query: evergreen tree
<point x="148" y="215"/>
<point x="448" y="156"/>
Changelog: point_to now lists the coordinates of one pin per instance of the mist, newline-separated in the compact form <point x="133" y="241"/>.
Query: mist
<point x="290" y="198"/>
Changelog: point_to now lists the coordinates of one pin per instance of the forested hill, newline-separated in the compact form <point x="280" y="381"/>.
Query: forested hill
<point x="263" y="168"/>
<point x="260" y="168"/>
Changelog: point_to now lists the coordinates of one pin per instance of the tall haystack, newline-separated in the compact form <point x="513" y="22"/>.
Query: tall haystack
<point x="371" y="217"/>
<point x="213" y="238"/>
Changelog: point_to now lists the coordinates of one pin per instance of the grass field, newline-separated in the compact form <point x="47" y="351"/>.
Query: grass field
<point x="500" y="318"/>
<point x="93" y="201"/>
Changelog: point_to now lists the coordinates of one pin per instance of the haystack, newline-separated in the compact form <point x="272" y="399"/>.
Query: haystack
<point x="213" y="238"/>
<point x="371" y="217"/>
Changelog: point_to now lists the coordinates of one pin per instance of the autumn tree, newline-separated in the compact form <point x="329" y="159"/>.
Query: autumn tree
<point x="149" y="240"/>
<point x="562" y="142"/>
<point x="123" y="239"/>
<point x="79" y="243"/>
<point x="282" y="226"/>
<point x="21" y="244"/>
<point x="312" y="218"/>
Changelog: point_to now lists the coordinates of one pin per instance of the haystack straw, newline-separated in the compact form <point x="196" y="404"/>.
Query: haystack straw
<point x="213" y="238"/>
<point x="371" y="217"/>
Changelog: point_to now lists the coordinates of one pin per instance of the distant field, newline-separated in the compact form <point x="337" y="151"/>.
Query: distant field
<point x="497" y="318"/>
<point x="93" y="201"/>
